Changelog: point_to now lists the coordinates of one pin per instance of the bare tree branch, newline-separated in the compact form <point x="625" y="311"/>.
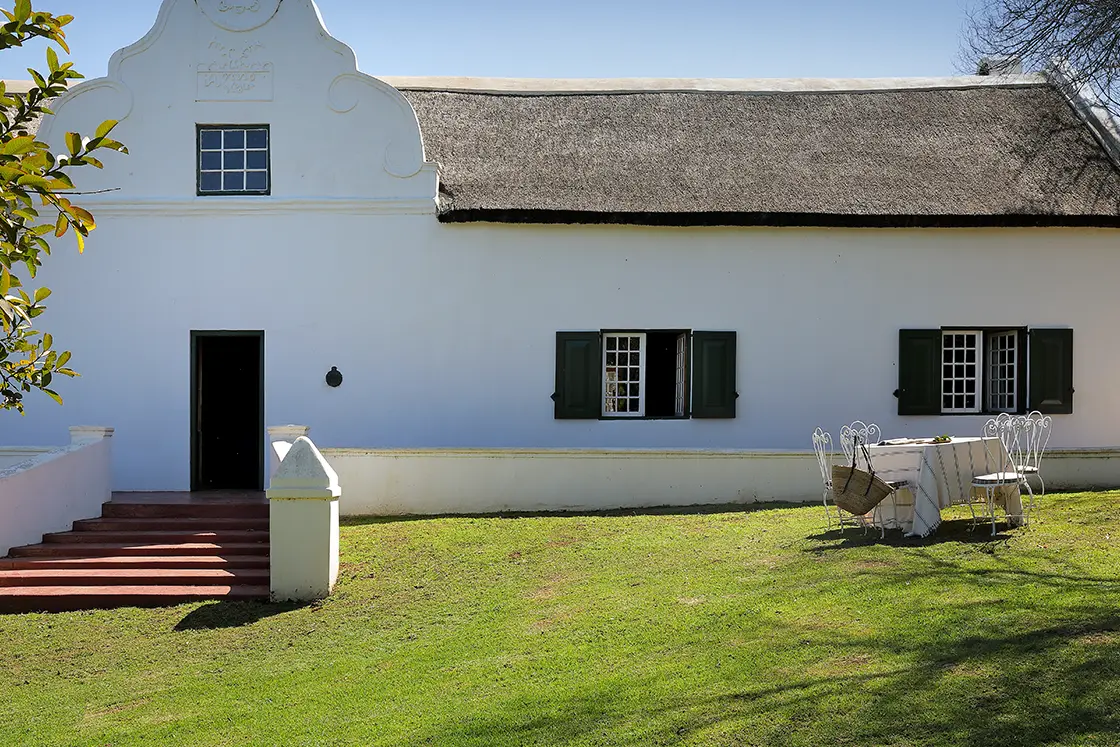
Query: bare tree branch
<point x="1084" y="35"/>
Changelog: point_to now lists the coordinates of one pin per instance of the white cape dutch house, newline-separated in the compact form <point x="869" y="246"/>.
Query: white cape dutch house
<point x="490" y="294"/>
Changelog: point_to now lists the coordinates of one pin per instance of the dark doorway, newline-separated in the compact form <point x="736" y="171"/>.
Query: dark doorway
<point x="227" y="410"/>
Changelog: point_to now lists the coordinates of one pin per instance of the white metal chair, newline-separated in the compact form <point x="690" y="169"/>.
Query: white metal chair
<point x="1002" y="442"/>
<point x="823" y="448"/>
<point x="869" y="434"/>
<point x="1034" y="436"/>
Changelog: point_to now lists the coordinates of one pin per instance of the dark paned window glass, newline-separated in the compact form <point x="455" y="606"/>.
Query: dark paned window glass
<point x="233" y="160"/>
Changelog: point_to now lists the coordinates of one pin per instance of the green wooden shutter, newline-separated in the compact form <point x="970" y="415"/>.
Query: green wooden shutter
<point x="1051" y="370"/>
<point x="579" y="372"/>
<point x="919" y="372"/>
<point x="713" y="375"/>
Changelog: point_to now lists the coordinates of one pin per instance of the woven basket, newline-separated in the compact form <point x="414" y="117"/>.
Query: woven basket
<point x="856" y="491"/>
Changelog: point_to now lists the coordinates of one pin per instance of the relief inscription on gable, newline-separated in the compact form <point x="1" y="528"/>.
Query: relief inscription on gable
<point x="235" y="73"/>
<point x="239" y="15"/>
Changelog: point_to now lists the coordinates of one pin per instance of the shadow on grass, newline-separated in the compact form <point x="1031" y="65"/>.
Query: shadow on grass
<point x="707" y="509"/>
<point x="1028" y="688"/>
<point x="960" y="531"/>
<point x="234" y="614"/>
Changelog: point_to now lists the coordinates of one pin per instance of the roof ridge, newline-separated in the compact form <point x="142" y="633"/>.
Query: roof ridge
<point x="579" y="86"/>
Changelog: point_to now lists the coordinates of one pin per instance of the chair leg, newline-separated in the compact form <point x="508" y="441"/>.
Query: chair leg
<point x="1028" y="513"/>
<point x="990" y="495"/>
<point x="972" y="510"/>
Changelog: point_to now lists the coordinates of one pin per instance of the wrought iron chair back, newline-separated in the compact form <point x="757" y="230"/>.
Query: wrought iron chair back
<point x="1034" y="437"/>
<point x="822" y="447"/>
<point x="859" y="432"/>
<point x="1001" y="432"/>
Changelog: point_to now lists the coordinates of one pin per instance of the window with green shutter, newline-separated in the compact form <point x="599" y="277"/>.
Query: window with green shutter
<point x="645" y="374"/>
<point x="577" y="375"/>
<point x="1051" y="371"/>
<point x="959" y="371"/>
<point x="713" y="375"/>
<point x="919" y="372"/>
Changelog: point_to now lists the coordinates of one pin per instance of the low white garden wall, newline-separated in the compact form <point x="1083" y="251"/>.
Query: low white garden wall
<point x="1081" y="469"/>
<point x="51" y="488"/>
<point x="463" y="481"/>
<point x="435" y="481"/>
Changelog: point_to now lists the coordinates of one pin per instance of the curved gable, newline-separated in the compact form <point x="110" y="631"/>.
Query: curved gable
<point x="335" y="133"/>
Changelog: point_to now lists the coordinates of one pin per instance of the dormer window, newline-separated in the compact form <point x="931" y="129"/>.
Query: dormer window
<point x="233" y="160"/>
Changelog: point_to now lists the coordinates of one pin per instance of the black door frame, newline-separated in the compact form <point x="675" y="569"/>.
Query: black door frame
<point x="195" y="335"/>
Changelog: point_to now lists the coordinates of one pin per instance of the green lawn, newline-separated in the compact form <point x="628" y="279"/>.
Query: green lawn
<point x="714" y="627"/>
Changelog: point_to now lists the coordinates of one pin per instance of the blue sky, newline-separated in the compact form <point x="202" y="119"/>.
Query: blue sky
<point x="584" y="38"/>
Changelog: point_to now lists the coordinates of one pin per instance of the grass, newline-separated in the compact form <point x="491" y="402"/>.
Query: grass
<point x="750" y="626"/>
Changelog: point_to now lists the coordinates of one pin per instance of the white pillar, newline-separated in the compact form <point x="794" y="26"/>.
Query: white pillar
<point x="87" y="434"/>
<point x="281" y="438"/>
<point x="303" y="525"/>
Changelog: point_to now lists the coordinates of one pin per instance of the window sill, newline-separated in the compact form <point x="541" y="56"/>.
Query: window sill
<point x="972" y="414"/>
<point x="646" y="417"/>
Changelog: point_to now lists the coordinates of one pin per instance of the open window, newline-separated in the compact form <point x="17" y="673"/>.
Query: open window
<point x="985" y="371"/>
<point x="645" y="374"/>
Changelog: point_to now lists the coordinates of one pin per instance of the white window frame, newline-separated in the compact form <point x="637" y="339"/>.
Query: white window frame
<point x="977" y="379"/>
<point x="608" y="395"/>
<point x="683" y="393"/>
<point x="984" y="381"/>
<point x="1009" y="385"/>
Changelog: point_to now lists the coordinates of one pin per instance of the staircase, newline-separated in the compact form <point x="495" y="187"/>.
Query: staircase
<point x="146" y="550"/>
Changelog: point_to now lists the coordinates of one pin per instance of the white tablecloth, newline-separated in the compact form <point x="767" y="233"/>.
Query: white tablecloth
<point x="942" y="474"/>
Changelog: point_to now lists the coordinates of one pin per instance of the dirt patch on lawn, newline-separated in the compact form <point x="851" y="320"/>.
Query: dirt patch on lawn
<point x="841" y="665"/>
<point x="550" y="589"/>
<point x="118" y="708"/>
<point x="871" y="565"/>
<point x="1100" y="638"/>
<point x="550" y="621"/>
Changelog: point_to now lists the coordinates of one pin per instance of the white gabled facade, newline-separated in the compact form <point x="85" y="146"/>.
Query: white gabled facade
<point x="445" y="334"/>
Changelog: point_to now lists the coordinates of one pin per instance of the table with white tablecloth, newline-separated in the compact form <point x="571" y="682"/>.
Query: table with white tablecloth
<point x="942" y="475"/>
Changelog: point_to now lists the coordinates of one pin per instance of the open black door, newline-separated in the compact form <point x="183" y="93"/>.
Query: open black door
<point x="227" y="410"/>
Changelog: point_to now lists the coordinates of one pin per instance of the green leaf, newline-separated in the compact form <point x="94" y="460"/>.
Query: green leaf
<point x="22" y="10"/>
<point x="53" y="395"/>
<point x="52" y="59"/>
<point x="105" y="128"/>
<point x="74" y="143"/>
<point x="35" y="181"/>
<point x="41" y="295"/>
<point x="5" y="280"/>
<point x="17" y="146"/>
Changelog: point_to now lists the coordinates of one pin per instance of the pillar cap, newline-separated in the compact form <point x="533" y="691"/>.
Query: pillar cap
<point x="304" y="470"/>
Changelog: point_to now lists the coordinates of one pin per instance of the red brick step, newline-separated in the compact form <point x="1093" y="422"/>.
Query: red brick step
<point x="221" y="536"/>
<point x="172" y="523"/>
<point x="63" y="598"/>
<point x="135" y="561"/>
<point x="104" y="549"/>
<point x="234" y="509"/>
<point x="132" y="576"/>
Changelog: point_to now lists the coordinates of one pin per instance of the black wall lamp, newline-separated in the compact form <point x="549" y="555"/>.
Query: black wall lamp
<point x="334" y="377"/>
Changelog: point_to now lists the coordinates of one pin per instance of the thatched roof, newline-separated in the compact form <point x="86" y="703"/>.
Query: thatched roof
<point x="952" y="152"/>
